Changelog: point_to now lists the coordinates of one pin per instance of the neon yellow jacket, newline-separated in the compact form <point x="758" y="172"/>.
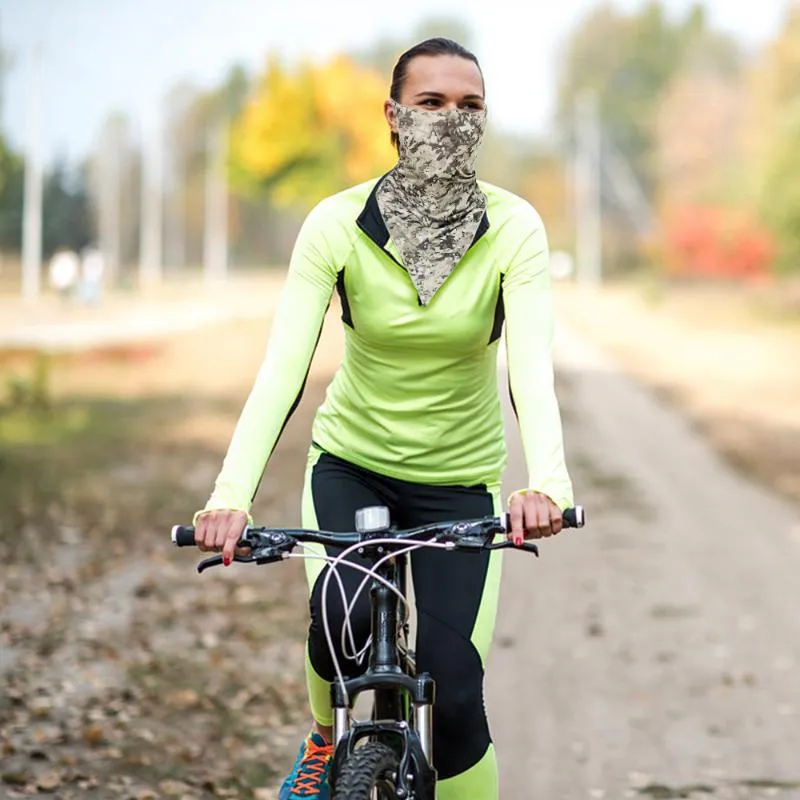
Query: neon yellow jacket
<point x="416" y="394"/>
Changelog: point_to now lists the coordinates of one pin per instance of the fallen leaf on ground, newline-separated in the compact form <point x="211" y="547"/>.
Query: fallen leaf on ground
<point x="172" y="788"/>
<point x="16" y="778"/>
<point x="94" y="735"/>
<point x="48" y="782"/>
<point x="183" y="699"/>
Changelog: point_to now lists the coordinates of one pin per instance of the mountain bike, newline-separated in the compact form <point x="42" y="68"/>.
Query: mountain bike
<point x="388" y="757"/>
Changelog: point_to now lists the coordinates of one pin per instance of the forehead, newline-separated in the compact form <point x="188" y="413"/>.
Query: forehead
<point x="446" y="74"/>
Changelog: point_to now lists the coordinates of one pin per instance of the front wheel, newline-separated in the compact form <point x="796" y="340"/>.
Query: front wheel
<point x="368" y="774"/>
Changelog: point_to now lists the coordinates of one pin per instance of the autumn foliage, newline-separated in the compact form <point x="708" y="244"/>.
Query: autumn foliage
<point x="715" y="242"/>
<point x="311" y="131"/>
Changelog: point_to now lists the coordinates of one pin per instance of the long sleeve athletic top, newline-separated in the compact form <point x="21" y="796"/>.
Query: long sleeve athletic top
<point x="416" y="394"/>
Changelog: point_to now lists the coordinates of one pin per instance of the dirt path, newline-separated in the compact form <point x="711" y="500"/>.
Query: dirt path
<point x="655" y="653"/>
<point x="726" y="356"/>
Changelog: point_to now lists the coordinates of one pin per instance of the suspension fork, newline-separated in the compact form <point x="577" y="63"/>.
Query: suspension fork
<point x="397" y="689"/>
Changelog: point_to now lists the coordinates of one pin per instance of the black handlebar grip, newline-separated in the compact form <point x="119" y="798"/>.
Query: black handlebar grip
<point x="183" y="536"/>
<point x="574" y="517"/>
<point x="571" y="518"/>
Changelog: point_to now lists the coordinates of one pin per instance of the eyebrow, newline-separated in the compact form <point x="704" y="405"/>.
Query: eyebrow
<point x="440" y="96"/>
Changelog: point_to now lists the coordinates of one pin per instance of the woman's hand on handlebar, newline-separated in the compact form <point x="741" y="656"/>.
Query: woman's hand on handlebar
<point x="533" y="515"/>
<point x="219" y="531"/>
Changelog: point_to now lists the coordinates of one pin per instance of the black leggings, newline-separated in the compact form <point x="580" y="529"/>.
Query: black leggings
<point x="454" y="612"/>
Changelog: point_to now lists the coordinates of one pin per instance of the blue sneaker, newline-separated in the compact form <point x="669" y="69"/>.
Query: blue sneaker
<point x="309" y="775"/>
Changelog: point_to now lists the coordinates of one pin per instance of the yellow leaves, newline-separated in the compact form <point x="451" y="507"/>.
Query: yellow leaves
<point x="772" y="121"/>
<point x="773" y="89"/>
<point x="312" y="131"/>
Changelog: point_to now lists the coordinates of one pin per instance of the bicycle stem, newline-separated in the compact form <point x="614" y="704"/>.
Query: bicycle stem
<point x="383" y="655"/>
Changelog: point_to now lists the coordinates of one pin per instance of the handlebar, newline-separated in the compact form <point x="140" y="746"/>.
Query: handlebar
<point x="267" y="545"/>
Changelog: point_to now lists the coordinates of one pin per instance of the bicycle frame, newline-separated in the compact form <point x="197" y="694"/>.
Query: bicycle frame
<point x="403" y="710"/>
<point x="391" y="674"/>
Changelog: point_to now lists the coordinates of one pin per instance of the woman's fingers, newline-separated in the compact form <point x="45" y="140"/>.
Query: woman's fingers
<point x="540" y="516"/>
<point x="220" y="531"/>
<point x="236" y="525"/>
<point x="204" y="531"/>
<point x="517" y="518"/>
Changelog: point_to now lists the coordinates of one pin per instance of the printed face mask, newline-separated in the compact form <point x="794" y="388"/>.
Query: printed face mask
<point x="440" y="144"/>
<point x="431" y="202"/>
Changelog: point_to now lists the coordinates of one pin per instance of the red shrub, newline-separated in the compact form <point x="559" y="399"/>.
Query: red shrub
<point x="708" y="242"/>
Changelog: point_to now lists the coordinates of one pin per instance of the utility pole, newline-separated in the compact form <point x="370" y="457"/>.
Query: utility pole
<point x="115" y="211"/>
<point x="109" y="168"/>
<point x="589" y="243"/>
<point x="628" y="188"/>
<point x="176" y="217"/>
<point x="215" y="234"/>
<point x="32" y="202"/>
<point x="150" y="235"/>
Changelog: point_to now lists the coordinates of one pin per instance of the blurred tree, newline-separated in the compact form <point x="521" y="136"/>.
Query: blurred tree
<point x="510" y="160"/>
<point x="780" y="199"/>
<point x="634" y="62"/>
<point x="12" y="183"/>
<point x="544" y="184"/>
<point x="67" y="219"/>
<point x="230" y="97"/>
<point x="66" y="213"/>
<point x="257" y="230"/>
<point x="187" y="111"/>
<point x="773" y="137"/>
<point x="113" y="172"/>
<point x="191" y="111"/>
<point x="12" y="178"/>
<point x="697" y="137"/>
<point x="629" y="59"/>
<point x="254" y="227"/>
<point x="297" y="135"/>
<point x="310" y="132"/>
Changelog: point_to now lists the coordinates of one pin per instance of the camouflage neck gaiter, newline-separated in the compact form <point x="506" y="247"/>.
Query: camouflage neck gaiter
<point x="430" y="201"/>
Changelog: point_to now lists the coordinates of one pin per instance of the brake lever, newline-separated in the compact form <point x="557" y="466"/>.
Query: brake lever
<point x="529" y="547"/>
<point x="260" y="555"/>
<point x="217" y="560"/>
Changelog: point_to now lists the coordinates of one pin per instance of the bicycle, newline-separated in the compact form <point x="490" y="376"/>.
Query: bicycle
<point x="388" y="757"/>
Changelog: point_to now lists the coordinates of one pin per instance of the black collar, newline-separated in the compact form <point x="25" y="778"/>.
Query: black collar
<point x="371" y="222"/>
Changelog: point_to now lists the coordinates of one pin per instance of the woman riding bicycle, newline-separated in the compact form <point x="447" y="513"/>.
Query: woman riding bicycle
<point x="429" y="264"/>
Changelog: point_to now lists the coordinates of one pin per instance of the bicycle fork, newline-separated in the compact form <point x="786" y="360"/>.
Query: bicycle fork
<point x="419" y="688"/>
<point x="387" y="678"/>
<point x="403" y="710"/>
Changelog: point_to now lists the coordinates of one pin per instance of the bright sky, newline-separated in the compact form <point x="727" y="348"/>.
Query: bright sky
<point x="102" y="55"/>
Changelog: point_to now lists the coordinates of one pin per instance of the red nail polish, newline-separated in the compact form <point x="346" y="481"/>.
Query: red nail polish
<point x="226" y="561"/>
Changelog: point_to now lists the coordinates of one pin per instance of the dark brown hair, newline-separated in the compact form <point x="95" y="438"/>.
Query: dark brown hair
<point x="430" y="47"/>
